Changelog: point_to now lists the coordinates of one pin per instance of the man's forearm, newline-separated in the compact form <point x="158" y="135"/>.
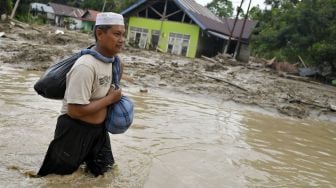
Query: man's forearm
<point x="78" y="110"/>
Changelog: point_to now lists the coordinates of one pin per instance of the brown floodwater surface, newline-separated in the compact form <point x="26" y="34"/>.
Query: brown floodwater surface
<point x="176" y="140"/>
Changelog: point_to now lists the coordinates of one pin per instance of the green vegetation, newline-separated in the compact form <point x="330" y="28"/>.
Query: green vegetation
<point x="221" y="8"/>
<point x="24" y="7"/>
<point x="31" y="20"/>
<point x="292" y="28"/>
<point x="6" y="7"/>
<point x="110" y="5"/>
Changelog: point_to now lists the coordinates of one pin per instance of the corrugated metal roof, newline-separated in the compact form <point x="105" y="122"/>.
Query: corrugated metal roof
<point x="219" y="35"/>
<point x="65" y="10"/>
<point x="197" y="8"/>
<point x="90" y="15"/>
<point x="212" y="22"/>
<point x="249" y="26"/>
<point x="205" y="19"/>
<point x="42" y="7"/>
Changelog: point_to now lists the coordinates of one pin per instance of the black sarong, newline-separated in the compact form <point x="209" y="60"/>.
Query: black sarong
<point x="76" y="142"/>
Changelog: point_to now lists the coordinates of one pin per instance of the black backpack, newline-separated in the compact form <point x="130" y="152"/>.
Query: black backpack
<point x="53" y="82"/>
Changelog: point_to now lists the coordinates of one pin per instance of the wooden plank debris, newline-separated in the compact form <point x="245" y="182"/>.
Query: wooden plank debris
<point x="222" y="80"/>
<point x="332" y="107"/>
<point x="209" y="59"/>
<point x="302" y="61"/>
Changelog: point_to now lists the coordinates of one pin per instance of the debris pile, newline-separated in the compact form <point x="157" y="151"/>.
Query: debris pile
<point x="221" y="77"/>
<point x="37" y="47"/>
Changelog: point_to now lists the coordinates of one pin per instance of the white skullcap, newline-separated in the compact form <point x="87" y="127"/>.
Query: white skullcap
<point x="109" y="18"/>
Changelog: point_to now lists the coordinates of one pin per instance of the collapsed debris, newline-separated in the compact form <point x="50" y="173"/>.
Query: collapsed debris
<point x="253" y="83"/>
<point x="59" y="32"/>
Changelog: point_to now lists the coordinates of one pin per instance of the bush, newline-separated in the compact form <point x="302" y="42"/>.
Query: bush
<point x="27" y="18"/>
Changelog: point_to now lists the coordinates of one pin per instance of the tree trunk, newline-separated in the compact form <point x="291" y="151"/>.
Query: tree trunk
<point x="333" y="68"/>
<point x="14" y="9"/>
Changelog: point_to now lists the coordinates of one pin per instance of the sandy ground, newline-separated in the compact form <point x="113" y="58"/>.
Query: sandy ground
<point x="38" y="47"/>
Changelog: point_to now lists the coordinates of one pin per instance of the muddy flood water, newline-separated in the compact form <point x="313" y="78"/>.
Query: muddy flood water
<point x="176" y="141"/>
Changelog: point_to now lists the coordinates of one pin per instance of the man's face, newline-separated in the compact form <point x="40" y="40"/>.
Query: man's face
<point x="113" y="39"/>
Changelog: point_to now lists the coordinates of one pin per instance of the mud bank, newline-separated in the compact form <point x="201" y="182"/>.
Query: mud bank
<point x="38" y="47"/>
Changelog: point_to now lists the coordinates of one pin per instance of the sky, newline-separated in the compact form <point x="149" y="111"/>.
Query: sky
<point x="236" y="3"/>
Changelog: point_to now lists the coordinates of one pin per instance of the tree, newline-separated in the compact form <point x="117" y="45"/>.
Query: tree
<point x="255" y="13"/>
<point x="122" y="5"/>
<point x="111" y="5"/>
<point x="221" y="8"/>
<point x="241" y="12"/>
<point x="6" y="7"/>
<point x="295" y="28"/>
<point x="98" y="5"/>
<point x="23" y="9"/>
<point x="273" y="3"/>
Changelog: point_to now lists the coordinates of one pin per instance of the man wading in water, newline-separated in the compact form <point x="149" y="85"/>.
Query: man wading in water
<point x="80" y="134"/>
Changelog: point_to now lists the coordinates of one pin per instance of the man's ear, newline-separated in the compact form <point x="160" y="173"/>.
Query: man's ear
<point x="99" y="34"/>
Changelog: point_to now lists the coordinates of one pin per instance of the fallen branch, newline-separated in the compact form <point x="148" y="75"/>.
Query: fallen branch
<point x="311" y="103"/>
<point x="302" y="61"/>
<point x="298" y="100"/>
<point x="222" y="80"/>
<point x="39" y="30"/>
<point x="308" y="80"/>
<point x="17" y="23"/>
<point x="12" y="38"/>
<point x="270" y="62"/>
<point x="304" y="79"/>
<point x="209" y="59"/>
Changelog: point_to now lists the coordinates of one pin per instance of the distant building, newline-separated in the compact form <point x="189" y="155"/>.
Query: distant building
<point x="46" y="11"/>
<point x="183" y="27"/>
<point x="89" y="19"/>
<point x="59" y="15"/>
<point x="67" y="16"/>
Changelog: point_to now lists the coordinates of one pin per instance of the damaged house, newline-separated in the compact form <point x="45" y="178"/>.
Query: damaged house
<point x="46" y="11"/>
<point x="184" y="27"/>
<point x="67" y="15"/>
<point x="58" y="14"/>
<point x="89" y="19"/>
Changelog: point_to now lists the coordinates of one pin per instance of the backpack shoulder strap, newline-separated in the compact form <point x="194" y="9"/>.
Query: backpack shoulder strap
<point x="97" y="55"/>
<point x="116" y="71"/>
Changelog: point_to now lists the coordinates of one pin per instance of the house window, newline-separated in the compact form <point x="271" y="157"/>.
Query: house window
<point x="155" y="39"/>
<point x="138" y="37"/>
<point x="178" y="44"/>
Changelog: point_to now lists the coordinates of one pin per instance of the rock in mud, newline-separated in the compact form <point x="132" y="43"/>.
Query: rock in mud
<point x="293" y="110"/>
<point x="144" y="90"/>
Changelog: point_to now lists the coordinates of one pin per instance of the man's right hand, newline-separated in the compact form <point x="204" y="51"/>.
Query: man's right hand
<point x="114" y="95"/>
<point x="95" y="112"/>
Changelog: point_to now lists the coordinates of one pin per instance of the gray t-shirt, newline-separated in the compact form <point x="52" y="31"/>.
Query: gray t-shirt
<point x="87" y="80"/>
